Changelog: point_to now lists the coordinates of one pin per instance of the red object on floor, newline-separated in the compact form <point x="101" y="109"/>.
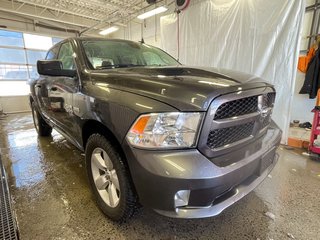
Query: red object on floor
<point x="315" y="131"/>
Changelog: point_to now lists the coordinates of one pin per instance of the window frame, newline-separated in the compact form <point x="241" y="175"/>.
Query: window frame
<point x="58" y="45"/>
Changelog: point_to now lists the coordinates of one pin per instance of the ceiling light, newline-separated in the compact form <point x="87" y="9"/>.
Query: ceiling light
<point x="109" y="30"/>
<point x="152" y="12"/>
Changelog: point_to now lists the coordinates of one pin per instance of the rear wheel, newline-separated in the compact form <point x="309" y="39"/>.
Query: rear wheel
<point x="109" y="179"/>
<point x="40" y="125"/>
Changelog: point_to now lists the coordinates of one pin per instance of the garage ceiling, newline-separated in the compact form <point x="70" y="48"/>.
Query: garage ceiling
<point x="80" y="14"/>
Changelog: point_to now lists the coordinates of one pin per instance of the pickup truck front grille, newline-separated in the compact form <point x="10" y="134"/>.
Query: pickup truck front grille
<point x="268" y="99"/>
<point x="234" y="119"/>
<point x="237" y="108"/>
<point x="224" y="136"/>
<point x="266" y="121"/>
<point x="243" y="106"/>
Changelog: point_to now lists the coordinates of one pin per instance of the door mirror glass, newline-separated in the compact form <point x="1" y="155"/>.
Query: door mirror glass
<point x="54" y="68"/>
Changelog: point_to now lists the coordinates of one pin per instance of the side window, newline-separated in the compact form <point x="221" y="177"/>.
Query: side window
<point x="53" y="53"/>
<point x="65" y="56"/>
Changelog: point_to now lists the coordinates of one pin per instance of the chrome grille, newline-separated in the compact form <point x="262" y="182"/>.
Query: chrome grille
<point x="268" y="99"/>
<point x="243" y="106"/>
<point x="234" y="119"/>
<point x="224" y="136"/>
<point x="266" y="121"/>
<point x="237" y="108"/>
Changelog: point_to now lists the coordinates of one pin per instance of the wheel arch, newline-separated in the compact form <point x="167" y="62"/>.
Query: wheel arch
<point x="31" y="100"/>
<point x="92" y="127"/>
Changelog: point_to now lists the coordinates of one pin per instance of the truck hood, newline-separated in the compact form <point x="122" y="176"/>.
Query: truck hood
<point x="184" y="88"/>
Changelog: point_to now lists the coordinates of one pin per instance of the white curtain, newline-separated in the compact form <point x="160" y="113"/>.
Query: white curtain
<point x="252" y="36"/>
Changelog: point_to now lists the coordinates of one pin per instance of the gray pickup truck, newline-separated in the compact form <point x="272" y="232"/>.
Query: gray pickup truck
<point x="184" y="141"/>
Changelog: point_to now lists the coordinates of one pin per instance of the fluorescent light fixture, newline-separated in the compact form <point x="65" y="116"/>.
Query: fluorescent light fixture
<point x="153" y="12"/>
<point x="109" y="30"/>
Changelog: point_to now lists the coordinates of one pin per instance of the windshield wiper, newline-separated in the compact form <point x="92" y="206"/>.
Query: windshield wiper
<point x="157" y="65"/>
<point x="120" y="66"/>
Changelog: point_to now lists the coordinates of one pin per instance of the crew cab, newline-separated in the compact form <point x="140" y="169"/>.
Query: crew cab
<point x="187" y="142"/>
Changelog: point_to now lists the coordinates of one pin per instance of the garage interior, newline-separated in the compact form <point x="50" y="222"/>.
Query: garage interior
<point x="44" y="190"/>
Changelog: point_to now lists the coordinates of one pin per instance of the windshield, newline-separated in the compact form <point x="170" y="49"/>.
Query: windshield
<point x="105" y="54"/>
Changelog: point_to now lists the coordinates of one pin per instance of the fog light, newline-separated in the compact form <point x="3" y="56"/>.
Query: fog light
<point x="181" y="198"/>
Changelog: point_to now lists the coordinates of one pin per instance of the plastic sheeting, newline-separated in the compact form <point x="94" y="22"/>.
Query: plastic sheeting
<point x="252" y="36"/>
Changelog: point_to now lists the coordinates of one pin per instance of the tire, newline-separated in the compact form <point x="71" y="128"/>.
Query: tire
<point x="43" y="129"/>
<point x="109" y="179"/>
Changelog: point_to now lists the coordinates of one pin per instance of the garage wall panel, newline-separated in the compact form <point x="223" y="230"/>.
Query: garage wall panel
<point x="256" y="37"/>
<point x="149" y="29"/>
<point x="14" y="104"/>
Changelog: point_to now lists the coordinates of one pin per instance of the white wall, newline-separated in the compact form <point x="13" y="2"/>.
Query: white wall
<point x="14" y="104"/>
<point x="149" y="29"/>
<point x="301" y="104"/>
<point x="255" y="37"/>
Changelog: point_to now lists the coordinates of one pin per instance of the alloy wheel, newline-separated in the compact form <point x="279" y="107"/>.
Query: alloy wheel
<point x="105" y="177"/>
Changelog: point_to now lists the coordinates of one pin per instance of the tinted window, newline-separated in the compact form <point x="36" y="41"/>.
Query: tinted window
<point x="66" y="56"/>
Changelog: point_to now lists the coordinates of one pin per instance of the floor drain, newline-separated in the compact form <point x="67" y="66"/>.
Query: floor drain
<point x="8" y="227"/>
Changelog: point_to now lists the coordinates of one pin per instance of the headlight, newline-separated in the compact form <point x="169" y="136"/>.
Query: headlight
<point x="165" y="130"/>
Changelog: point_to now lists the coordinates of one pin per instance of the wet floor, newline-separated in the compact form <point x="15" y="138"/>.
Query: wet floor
<point x="52" y="198"/>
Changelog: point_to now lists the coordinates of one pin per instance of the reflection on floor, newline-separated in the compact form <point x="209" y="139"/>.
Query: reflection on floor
<point x="53" y="201"/>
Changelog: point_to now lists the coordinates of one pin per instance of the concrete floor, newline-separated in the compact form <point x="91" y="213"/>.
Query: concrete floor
<point x="52" y="198"/>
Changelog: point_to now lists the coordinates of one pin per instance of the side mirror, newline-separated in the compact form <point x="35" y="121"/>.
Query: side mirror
<point x="54" y="68"/>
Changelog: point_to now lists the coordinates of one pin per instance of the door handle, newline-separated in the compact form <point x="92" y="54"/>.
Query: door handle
<point x="54" y="89"/>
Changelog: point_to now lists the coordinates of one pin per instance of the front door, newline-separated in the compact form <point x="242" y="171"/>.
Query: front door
<point x="61" y="91"/>
<point x="41" y="86"/>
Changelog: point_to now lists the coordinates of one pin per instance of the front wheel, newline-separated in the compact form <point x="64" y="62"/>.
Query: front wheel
<point x="40" y="125"/>
<point x="109" y="179"/>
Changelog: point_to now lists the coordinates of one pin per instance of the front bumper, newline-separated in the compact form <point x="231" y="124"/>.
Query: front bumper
<point x="159" y="175"/>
